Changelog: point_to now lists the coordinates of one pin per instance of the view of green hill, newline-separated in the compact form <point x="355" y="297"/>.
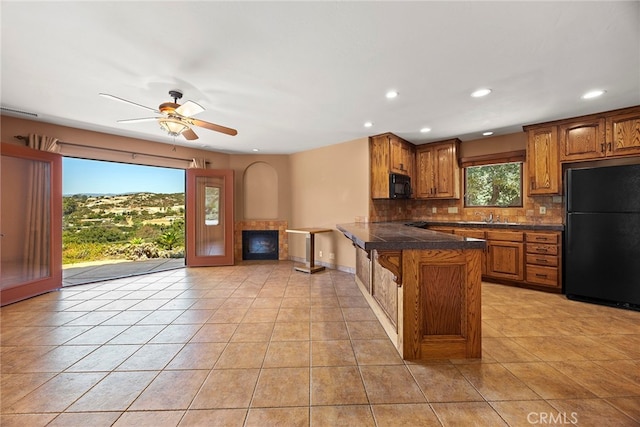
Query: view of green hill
<point x="123" y="226"/>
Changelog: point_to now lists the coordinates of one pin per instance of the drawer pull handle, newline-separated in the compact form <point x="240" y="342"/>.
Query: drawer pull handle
<point x="541" y="275"/>
<point x="541" y="238"/>
<point x="544" y="261"/>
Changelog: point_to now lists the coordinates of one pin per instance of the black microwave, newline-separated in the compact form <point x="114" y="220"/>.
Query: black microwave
<point x="399" y="186"/>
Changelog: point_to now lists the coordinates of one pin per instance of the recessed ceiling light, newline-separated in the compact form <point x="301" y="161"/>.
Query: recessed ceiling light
<point x="425" y="130"/>
<point x="392" y="94"/>
<point x="487" y="133"/>
<point x="593" y="94"/>
<point x="480" y="93"/>
<point x="256" y="149"/>
<point x="368" y="124"/>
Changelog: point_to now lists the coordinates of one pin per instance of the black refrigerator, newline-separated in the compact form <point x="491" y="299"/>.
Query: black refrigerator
<point x="602" y="245"/>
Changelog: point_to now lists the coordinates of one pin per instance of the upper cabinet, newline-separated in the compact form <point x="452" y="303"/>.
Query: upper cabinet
<point x="389" y="154"/>
<point x="582" y="140"/>
<point x="438" y="175"/>
<point x="542" y="161"/>
<point x="623" y="133"/>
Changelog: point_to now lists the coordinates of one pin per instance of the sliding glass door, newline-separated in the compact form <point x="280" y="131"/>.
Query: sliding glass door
<point x="30" y="223"/>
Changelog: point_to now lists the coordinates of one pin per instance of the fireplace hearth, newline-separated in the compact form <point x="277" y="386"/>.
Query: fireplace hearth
<point x="260" y="244"/>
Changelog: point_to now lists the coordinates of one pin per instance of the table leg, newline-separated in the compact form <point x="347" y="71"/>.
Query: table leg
<point x="310" y="266"/>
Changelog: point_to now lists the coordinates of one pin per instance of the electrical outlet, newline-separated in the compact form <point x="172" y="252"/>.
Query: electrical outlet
<point x="543" y="210"/>
<point x="452" y="209"/>
<point x="434" y="210"/>
<point x="332" y="256"/>
<point x="320" y="253"/>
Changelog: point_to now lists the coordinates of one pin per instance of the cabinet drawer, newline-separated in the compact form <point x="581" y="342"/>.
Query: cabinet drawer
<point x="548" y="260"/>
<point x="448" y="230"/>
<point x="542" y="238"/>
<point x="476" y="234"/>
<point x="542" y="275"/>
<point x="534" y="248"/>
<point x="509" y="236"/>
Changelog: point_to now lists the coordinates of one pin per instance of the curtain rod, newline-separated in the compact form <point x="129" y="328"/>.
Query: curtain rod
<point x="26" y="138"/>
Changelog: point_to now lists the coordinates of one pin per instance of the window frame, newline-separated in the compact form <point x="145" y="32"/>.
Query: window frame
<point x="494" y="159"/>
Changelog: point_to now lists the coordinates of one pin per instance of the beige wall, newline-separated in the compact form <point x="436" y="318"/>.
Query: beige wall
<point x="329" y="186"/>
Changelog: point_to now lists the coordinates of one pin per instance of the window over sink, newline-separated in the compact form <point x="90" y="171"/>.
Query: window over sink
<point x="493" y="181"/>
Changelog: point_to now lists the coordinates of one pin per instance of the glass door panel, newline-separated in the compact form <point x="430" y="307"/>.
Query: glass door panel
<point x="209" y="217"/>
<point x="31" y="223"/>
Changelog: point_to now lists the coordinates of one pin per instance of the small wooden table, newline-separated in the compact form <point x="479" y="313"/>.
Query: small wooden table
<point x="311" y="232"/>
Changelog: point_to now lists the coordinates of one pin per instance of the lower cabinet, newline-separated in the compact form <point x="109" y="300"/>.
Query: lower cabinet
<point x="505" y="255"/>
<point x="527" y="257"/>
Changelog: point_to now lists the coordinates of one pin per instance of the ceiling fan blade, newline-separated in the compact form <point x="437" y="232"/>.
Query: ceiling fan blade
<point x="116" y="98"/>
<point x="190" y="135"/>
<point x="189" y="109"/>
<point x="144" y="119"/>
<point x="212" y="126"/>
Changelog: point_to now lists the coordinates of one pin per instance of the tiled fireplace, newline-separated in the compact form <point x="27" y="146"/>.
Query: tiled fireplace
<point x="261" y="226"/>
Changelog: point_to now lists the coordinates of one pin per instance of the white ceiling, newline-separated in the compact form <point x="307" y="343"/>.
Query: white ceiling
<point x="292" y="76"/>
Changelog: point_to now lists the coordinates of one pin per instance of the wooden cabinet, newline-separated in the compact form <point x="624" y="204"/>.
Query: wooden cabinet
<point x="542" y="161"/>
<point x="623" y="133"/>
<point x="438" y="174"/>
<point x="543" y="260"/>
<point x="582" y="140"/>
<point x="505" y="255"/>
<point x="476" y="234"/>
<point x="389" y="154"/>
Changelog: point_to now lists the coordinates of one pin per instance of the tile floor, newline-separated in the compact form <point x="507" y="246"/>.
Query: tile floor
<point x="259" y="344"/>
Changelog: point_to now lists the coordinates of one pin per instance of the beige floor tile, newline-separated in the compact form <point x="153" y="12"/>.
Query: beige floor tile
<point x="628" y="405"/>
<point x="495" y="382"/>
<point x="525" y="413"/>
<point x="326" y="314"/>
<point x="506" y="350"/>
<point x="104" y="358"/>
<point x="413" y="414"/>
<point x="226" y="388"/>
<point x="197" y="356"/>
<point x="279" y="387"/>
<point x="291" y="331"/>
<point x="170" y="390"/>
<point x="288" y="354"/>
<point x="258" y="315"/>
<point x="332" y="353"/>
<point x="332" y="416"/>
<point x="137" y="334"/>
<point x="353" y="301"/>
<point x="600" y="381"/>
<point x="326" y="299"/>
<point x="548" y="382"/>
<point x="150" y="357"/>
<point x="376" y="352"/>
<point x="296" y="302"/>
<point x="336" y="386"/>
<point x="477" y="414"/>
<point x="214" y="417"/>
<point x="175" y="334"/>
<point x="69" y="419"/>
<point x="290" y="417"/>
<point x="390" y="384"/>
<point x="242" y="355"/>
<point x="443" y="383"/>
<point x="627" y="369"/>
<point x="358" y="314"/>
<point x="366" y="330"/>
<point x="58" y="359"/>
<point x="23" y="420"/>
<point x="591" y="413"/>
<point x="98" y="335"/>
<point x="114" y="393"/>
<point x="253" y="332"/>
<point x="294" y="314"/>
<point x="228" y="315"/>
<point x="268" y="302"/>
<point x="193" y="317"/>
<point x="215" y="332"/>
<point x="329" y="331"/>
<point x="14" y="387"/>
<point x="66" y="387"/>
<point x="208" y="303"/>
<point x="149" y="418"/>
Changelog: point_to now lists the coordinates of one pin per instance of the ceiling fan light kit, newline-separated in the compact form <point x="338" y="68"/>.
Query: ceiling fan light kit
<point x="176" y="119"/>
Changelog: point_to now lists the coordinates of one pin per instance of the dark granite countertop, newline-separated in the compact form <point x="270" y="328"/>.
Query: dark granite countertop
<point x="500" y="225"/>
<point x="398" y="236"/>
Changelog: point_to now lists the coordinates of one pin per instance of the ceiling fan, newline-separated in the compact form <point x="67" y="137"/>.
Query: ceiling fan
<point x="175" y="119"/>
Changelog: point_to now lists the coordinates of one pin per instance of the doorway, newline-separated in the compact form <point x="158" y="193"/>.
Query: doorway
<point x="120" y="220"/>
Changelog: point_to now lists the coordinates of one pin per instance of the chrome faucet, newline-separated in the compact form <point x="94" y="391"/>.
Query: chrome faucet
<point x="490" y="218"/>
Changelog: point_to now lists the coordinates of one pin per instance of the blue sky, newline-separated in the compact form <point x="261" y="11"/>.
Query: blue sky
<point x="91" y="176"/>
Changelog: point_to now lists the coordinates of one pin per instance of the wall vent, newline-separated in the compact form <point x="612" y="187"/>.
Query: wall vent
<point x="11" y="110"/>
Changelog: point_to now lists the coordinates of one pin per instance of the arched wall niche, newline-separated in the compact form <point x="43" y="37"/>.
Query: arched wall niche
<point x="260" y="184"/>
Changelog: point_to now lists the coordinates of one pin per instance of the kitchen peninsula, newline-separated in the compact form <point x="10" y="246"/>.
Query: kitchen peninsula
<point x="423" y="285"/>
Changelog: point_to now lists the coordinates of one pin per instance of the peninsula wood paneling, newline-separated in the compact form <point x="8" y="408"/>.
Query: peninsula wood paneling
<point x="384" y="290"/>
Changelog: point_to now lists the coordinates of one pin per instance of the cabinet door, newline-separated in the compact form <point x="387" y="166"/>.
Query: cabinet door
<point x="582" y="141"/>
<point x="379" y="152"/>
<point x="623" y="134"/>
<point x="446" y="172"/>
<point x="505" y="260"/>
<point x="425" y="176"/>
<point x="399" y="162"/>
<point x="542" y="161"/>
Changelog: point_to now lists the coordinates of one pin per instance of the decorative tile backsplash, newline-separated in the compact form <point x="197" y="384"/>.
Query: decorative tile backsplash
<point x="452" y="210"/>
